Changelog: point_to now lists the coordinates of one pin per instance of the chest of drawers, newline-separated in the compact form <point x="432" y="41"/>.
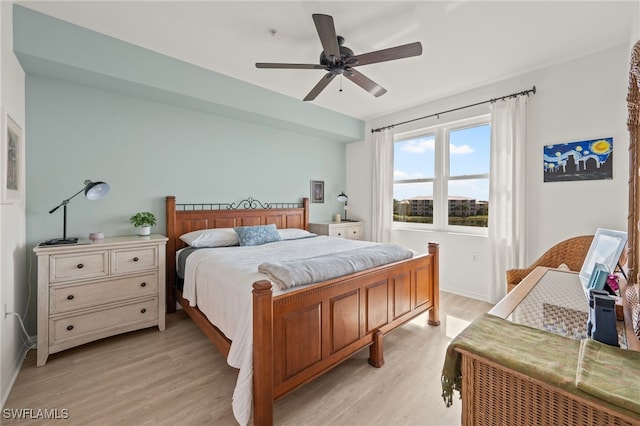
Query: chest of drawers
<point x="88" y="292"/>
<point x="349" y="230"/>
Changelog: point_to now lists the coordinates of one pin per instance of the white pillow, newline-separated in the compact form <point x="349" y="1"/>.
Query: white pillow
<point x="218" y="237"/>
<point x="294" y="233"/>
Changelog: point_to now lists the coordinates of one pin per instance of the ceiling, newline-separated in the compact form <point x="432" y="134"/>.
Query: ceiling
<point x="465" y="43"/>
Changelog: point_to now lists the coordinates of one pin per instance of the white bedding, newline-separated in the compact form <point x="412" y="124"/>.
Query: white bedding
<point x="219" y="281"/>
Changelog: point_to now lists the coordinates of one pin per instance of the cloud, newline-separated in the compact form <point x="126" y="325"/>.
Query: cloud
<point x="462" y="149"/>
<point x="419" y="146"/>
<point x="410" y="190"/>
<point x="472" y="188"/>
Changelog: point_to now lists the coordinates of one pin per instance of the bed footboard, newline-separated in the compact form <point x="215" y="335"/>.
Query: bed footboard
<point x="301" y="334"/>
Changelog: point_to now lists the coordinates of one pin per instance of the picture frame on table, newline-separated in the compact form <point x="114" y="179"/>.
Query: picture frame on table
<point x="12" y="161"/>
<point x="317" y="191"/>
<point x="605" y="250"/>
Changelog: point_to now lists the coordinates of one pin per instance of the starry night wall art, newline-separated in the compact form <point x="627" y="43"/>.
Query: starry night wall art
<point x="586" y="160"/>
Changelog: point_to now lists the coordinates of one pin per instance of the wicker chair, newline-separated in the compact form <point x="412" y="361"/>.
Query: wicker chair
<point x="571" y="252"/>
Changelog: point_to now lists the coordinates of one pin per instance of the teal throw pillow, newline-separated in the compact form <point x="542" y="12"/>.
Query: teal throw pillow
<point x="257" y="235"/>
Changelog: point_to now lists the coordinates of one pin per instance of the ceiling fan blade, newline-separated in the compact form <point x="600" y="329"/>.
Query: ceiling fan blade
<point x="327" y="34"/>
<point x="365" y="82"/>
<point x="320" y="86"/>
<point x="293" y="66"/>
<point x="398" y="52"/>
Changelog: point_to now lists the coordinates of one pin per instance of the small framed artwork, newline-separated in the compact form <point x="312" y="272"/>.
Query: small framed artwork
<point x="11" y="176"/>
<point x="317" y="191"/>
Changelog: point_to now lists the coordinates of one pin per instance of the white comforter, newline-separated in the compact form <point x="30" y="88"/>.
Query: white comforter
<point x="219" y="281"/>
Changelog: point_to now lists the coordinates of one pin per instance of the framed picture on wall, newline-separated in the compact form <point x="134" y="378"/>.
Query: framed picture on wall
<point x="574" y="161"/>
<point x="317" y="191"/>
<point x="11" y="176"/>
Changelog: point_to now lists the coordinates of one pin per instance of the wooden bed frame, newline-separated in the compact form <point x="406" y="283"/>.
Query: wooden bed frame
<point x="299" y="335"/>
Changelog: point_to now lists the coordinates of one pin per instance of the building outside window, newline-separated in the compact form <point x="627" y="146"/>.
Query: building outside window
<point x="441" y="177"/>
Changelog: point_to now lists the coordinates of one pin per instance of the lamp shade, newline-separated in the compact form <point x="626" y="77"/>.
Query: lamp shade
<point x="342" y="197"/>
<point x="95" y="190"/>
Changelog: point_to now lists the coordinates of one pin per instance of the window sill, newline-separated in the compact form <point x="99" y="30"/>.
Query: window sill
<point x="482" y="232"/>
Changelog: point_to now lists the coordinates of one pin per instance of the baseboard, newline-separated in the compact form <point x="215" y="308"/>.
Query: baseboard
<point x="463" y="293"/>
<point x="5" y="390"/>
<point x="8" y="385"/>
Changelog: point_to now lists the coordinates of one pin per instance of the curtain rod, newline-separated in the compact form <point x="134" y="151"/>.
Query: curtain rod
<point x="501" y="98"/>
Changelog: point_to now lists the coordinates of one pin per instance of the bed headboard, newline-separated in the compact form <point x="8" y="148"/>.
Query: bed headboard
<point x="183" y="218"/>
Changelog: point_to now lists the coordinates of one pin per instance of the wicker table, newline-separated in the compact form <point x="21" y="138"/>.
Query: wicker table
<point x="554" y="301"/>
<point x="558" y="304"/>
<point x="492" y="394"/>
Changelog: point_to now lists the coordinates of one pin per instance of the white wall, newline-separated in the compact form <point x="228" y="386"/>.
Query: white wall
<point x="577" y="100"/>
<point x="13" y="280"/>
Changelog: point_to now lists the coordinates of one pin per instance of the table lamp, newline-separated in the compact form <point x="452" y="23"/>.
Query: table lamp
<point x="93" y="191"/>
<point x="342" y="197"/>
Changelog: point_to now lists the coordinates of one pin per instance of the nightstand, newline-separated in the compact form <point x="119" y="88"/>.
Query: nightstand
<point x="90" y="291"/>
<point x="349" y="230"/>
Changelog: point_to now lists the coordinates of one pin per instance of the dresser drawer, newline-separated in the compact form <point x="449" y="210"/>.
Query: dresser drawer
<point x="65" y="298"/>
<point x="78" y="266"/>
<point x="131" y="260"/>
<point x="97" y="324"/>
<point x="354" y="232"/>
<point x="338" y="231"/>
<point x="347" y="229"/>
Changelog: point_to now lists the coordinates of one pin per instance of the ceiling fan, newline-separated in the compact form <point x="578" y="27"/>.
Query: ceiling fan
<point x="338" y="59"/>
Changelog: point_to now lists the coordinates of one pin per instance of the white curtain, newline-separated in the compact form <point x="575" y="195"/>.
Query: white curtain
<point x="507" y="189"/>
<point x="382" y="209"/>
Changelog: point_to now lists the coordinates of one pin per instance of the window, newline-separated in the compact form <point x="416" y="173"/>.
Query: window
<point x="441" y="176"/>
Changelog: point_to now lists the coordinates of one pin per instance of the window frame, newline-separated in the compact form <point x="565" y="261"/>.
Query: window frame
<point x="441" y="133"/>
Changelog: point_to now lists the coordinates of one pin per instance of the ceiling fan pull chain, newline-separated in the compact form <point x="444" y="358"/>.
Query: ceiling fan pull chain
<point x="340" y="83"/>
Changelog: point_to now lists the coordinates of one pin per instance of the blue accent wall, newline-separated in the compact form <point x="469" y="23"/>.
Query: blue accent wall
<point x="146" y="150"/>
<point x="49" y="46"/>
<point x="101" y="109"/>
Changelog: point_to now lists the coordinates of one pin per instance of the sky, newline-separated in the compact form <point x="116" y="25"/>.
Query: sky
<point x="469" y="154"/>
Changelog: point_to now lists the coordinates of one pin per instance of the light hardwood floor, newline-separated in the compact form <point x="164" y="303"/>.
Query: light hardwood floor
<point x="177" y="377"/>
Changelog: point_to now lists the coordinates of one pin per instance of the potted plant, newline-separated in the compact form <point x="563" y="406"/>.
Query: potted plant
<point x="144" y="221"/>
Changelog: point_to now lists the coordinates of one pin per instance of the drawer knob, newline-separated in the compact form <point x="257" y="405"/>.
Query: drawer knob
<point x="339" y="234"/>
<point x="143" y="284"/>
<point x="69" y="327"/>
<point x="70" y="297"/>
<point x="80" y="266"/>
<point x="143" y="310"/>
<point x="135" y="259"/>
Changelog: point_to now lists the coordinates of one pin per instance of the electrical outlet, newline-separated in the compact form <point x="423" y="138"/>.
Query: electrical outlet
<point x="475" y="257"/>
